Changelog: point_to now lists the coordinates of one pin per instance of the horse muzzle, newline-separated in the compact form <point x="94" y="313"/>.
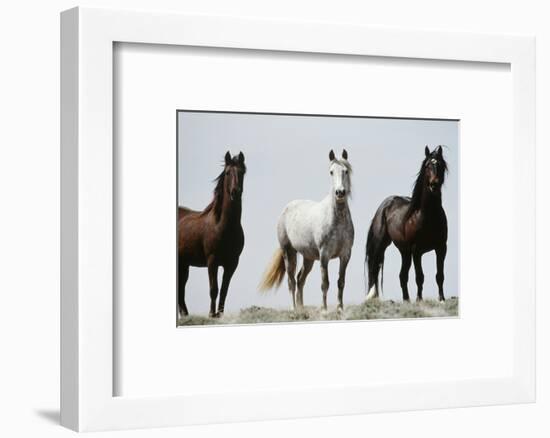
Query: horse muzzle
<point x="340" y="195"/>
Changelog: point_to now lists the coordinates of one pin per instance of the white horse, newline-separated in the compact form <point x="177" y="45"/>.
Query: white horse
<point x="318" y="231"/>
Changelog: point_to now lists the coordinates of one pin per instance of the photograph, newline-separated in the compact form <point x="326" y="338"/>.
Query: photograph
<point x="302" y="218"/>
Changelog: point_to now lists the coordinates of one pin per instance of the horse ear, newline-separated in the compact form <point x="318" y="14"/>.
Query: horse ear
<point x="427" y="151"/>
<point x="345" y="154"/>
<point x="241" y="158"/>
<point x="228" y="158"/>
<point x="439" y="151"/>
<point x="331" y="155"/>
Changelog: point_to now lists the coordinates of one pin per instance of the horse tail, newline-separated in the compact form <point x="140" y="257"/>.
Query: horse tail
<point x="274" y="273"/>
<point x="371" y="266"/>
<point x="382" y="277"/>
<point x="377" y="242"/>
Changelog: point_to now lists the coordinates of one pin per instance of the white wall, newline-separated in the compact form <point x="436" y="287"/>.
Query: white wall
<point x="29" y="223"/>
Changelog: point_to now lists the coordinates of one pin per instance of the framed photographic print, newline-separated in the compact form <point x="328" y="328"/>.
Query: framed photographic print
<point x="289" y="194"/>
<point x="303" y="233"/>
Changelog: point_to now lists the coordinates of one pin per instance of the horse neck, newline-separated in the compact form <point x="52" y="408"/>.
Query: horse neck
<point x="430" y="202"/>
<point x="339" y="210"/>
<point x="231" y="212"/>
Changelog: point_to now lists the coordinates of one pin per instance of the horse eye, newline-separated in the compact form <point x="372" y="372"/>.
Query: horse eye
<point x="331" y="172"/>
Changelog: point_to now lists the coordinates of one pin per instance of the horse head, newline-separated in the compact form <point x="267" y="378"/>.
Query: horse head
<point x="435" y="168"/>
<point x="233" y="175"/>
<point x="340" y="173"/>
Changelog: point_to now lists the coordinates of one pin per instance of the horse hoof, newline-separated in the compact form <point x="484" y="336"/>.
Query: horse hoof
<point x="214" y="315"/>
<point x="340" y="310"/>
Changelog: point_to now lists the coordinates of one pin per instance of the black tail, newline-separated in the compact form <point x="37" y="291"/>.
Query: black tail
<point x="377" y="242"/>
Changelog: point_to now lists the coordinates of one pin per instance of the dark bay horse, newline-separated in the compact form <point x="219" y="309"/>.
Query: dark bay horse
<point x="416" y="225"/>
<point x="213" y="237"/>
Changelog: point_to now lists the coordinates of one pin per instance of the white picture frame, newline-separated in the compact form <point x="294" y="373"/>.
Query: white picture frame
<point x="87" y="318"/>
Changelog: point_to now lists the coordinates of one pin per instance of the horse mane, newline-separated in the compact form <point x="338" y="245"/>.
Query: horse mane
<point x="418" y="187"/>
<point x="344" y="163"/>
<point x="217" y="201"/>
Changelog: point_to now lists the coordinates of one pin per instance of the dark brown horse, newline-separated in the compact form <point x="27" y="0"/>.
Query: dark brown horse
<point x="416" y="225"/>
<point x="213" y="237"/>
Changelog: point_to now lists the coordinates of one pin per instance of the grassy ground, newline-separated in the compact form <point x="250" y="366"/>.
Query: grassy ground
<point x="374" y="309"/>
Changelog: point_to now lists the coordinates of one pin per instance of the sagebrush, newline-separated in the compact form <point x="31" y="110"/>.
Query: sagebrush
<point x="373" y="309"/>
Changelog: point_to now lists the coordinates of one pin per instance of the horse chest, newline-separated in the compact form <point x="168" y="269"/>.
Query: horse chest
<point x="338" y="238"/>
<point x="226" y="245"/>
<point x="426" y="233"/>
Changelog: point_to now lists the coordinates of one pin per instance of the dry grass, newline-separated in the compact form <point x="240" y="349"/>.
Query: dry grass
<point x="374" y="309"/>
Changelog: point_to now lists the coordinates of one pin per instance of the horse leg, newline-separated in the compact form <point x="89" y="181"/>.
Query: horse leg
<point x="324" y="279"/>
<point x="404" y="274"/>
<point x="183" y="275"/>
<point x="417" y="260"/>
<point x="227" y="274"/>
<point x="213" y="278"/>
<point x="289" y="256"/>
<point x="440" y="254"/>
<point x="302" y="275"/>
<point x="342" y="281"/>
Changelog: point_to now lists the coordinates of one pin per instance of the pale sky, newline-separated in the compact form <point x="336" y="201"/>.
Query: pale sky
<point x="287" y="159"/>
